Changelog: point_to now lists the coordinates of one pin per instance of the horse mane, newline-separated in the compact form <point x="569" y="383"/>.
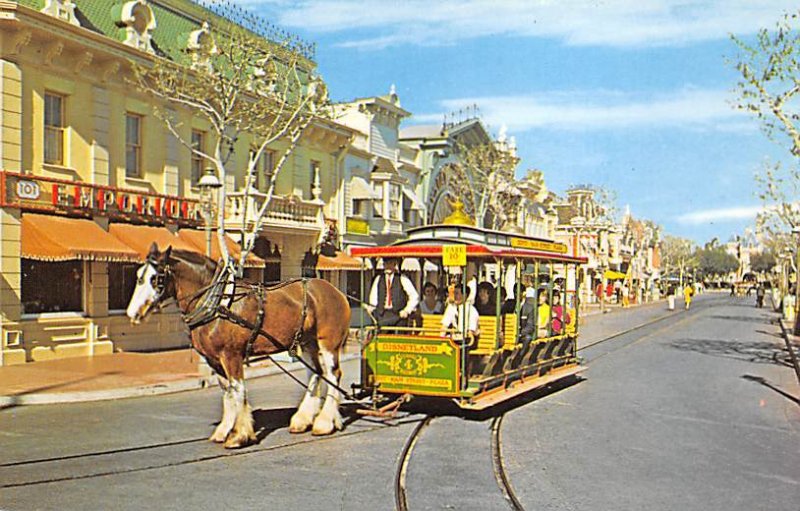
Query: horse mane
<point x="203" y="265"/>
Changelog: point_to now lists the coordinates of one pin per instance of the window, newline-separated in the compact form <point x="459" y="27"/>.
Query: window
<point x="198" y="143"/>
<point x="121" y="283"/>
<point x="395" y="202"/>
<point x="133" y="145"/>
<point x="361" y="207"/>
<point x="52" y="287"/>
<point x="264" y="168"/>
<point x="53" y="128"/>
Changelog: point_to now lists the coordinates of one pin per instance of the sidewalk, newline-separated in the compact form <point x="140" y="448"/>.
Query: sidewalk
<point x="118" y="375"/>
<point x="130" y="374"/>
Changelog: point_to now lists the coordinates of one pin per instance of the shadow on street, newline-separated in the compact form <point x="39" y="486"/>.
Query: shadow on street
<point x="760" y="352"/>
<point x="764" y="382"/>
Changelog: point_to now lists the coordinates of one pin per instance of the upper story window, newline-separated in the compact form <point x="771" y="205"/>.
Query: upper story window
<point x="54" y="128"/>
<point x="361" y="207"/>
<point x="199" y="144"/>
<point x="133" y="145"/>
<point x="264" y="169"/>
<point x="395" y="202"/>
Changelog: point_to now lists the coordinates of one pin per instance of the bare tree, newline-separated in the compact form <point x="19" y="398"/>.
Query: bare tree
<point x="242" y="85"/>
<point x="769" y="89"/>
<point x="678" y="255"/>
<point x="484" y="178"/>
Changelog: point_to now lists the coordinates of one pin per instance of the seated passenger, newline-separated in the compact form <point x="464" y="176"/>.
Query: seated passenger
<point x="560" y="316"/>
<point x="430" y="303"/>
<point x="509" y="305"/>
<point x="462" y="317"/>
<point x="543" y="314"/>
<point x="485" y="304"/>
<point x="527" y="316"/>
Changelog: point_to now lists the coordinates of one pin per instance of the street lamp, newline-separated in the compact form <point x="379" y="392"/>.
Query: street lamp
<point x="207" y="184"/>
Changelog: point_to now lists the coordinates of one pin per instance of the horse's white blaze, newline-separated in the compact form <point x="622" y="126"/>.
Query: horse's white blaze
<point x="143" y="294"/>
<point x="329" y="418"/>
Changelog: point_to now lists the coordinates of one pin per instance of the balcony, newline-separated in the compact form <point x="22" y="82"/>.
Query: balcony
<point x="287" y="212"/>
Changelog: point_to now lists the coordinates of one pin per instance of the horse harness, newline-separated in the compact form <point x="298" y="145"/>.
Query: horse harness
<point x="210" y="305"/>
<point x="210" y="308"/>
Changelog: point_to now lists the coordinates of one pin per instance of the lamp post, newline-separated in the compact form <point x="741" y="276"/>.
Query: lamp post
<point x="208" y="183"/>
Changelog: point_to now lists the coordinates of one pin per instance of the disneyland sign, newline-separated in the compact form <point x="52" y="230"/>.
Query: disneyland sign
<point x="46" y="194"/>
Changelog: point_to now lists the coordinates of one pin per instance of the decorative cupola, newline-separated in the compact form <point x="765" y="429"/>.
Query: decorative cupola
<point x="138" y="20"/>
<point x="201" y="48"/>
<point x="61" y="9"/>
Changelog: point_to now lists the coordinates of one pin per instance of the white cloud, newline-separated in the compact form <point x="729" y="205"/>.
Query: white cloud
<point x="602" y="109"/>
<point x="720" y="215"/>
<point x="620" y="23"/>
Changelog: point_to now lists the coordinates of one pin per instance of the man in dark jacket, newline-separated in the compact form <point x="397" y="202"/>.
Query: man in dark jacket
<point x="393" y="296"/>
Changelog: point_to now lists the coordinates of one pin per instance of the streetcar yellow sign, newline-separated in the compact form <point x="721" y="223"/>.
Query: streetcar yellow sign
<point x="454" y="255"/>
<point x="558" y="248"/>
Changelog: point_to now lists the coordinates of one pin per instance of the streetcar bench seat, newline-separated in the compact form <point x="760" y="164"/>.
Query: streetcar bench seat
<point x="431" y="324"/>
<point x="487" y="341"/>
<point x="509" y="331"/>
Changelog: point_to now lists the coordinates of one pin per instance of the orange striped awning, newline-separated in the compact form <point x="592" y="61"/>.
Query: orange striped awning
<point x="341" y="261"/>
<point x="140" y="237"/>
<point x="198" y="240"/>
<point x="56" y="238"/>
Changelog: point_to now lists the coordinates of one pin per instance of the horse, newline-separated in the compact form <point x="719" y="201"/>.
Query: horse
<point x="310" y="313"/>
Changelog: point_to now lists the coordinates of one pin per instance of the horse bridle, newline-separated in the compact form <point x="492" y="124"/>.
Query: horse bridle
<point x="162" y="272"/>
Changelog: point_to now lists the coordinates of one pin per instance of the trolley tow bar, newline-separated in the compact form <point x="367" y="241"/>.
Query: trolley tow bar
<point x="388" y="411"/>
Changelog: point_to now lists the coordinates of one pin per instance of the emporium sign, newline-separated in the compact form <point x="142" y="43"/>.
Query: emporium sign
<point x="56" y="195"/>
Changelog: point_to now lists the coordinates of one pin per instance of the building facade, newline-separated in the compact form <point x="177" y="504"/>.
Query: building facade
<point x="89" y="177"/>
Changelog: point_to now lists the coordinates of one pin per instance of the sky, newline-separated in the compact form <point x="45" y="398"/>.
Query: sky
<point x="632" y="95"/>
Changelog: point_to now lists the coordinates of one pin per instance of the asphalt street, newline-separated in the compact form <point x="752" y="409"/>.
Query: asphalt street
<point x="693" y="410"/>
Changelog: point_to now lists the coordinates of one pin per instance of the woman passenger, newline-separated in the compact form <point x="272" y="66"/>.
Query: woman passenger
<point x="485" y="303"/>
<point x="560" y="317"/>
<point x="430" y="303"/>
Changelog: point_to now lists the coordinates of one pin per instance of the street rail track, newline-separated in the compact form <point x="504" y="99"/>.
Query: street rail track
<point x="304" y="440"/>
<point x="400" y="491"/>
<point x="400" y="498"/>
<point x="499" y="469"/>
<point x="503" y="482"/>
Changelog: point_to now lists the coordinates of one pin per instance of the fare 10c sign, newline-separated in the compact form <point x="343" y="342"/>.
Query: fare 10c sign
<point x="46" y="194"/>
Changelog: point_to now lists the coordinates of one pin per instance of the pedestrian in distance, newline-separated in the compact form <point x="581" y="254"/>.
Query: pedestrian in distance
<point x="392" y="298"/>
<point x="688" y="292"/>
<point x="760" y="291"/>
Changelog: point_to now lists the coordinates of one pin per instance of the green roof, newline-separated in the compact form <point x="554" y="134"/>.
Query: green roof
<point x="173" y="27"/>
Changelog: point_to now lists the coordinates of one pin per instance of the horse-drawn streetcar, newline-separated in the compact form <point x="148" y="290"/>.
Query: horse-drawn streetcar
<point x="524" y="338"/>
<point x="477" y="358"/>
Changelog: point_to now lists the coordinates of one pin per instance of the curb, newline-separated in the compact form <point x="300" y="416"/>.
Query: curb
<point x="155" y="389"/>
<point x="790" y="340"/>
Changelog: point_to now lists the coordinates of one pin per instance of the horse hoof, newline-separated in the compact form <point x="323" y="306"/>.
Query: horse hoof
<point x="237" y="442"/>
<point x="325" y="428"/>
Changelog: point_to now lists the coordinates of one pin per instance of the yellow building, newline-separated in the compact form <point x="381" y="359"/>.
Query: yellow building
<point x="89" y="177"/>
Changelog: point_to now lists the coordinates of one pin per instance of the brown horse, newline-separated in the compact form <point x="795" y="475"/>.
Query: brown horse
<point x="313" y="314"/>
